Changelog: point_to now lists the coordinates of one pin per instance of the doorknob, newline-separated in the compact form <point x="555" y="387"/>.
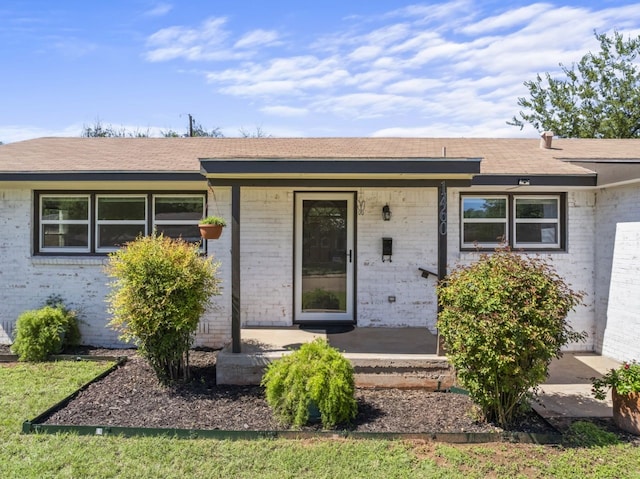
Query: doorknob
<point x="350" y="256"/>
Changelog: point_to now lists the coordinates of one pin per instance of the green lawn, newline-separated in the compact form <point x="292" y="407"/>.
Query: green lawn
<point x="28" y="389"/>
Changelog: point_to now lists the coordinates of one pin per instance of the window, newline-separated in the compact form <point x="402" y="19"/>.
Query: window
<point x="119" y="219"/>
<point x="484" y="221"/>
<point x="64" y="223"/>
<point x="178" y="216"/>
<point x="100" y="223"/>
<point x="521" y="221"/>
<point x="536" y="222"/>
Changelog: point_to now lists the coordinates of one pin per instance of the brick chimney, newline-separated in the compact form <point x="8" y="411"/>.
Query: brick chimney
<point x="545" y="142"/>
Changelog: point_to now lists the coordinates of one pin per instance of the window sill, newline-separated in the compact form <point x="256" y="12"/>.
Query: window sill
<point x="69" y="260"/>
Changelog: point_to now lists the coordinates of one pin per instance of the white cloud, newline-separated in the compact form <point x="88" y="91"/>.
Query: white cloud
<point x="507" y="20"/>
<point x="449" y="64"/>
<point x="416" y="86"/>
<point x="364" y="53"/>
<point x="285" y="111"/>
<point x="159" y="10"/>
<point x="257" y="38"/>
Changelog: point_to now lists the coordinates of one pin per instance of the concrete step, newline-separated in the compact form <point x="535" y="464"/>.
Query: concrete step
<point x="382" y="357"/>
<point x="385" y="371"/>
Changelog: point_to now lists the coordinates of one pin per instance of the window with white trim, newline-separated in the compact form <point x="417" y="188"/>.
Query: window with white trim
<point x="520" y="221"/>
<point x="103" y="222"/>
<point x="119" y="219"/>
<point x="484" y="221"/>
<point x="537" y="222"/>
<point x="64" y="223"/>
<point x="177" y="216"/>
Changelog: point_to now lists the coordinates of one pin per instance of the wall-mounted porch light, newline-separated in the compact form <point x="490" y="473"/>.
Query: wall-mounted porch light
<point x="386" y="213"/>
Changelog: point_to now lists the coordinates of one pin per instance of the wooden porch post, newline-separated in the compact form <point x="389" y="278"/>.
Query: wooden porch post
<point x="235" y="268"/>
<point x="442" y="248"/>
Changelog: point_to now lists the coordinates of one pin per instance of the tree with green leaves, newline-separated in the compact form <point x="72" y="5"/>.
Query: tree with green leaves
<point x="599" y="98"/>
<point x="100" y="130"/>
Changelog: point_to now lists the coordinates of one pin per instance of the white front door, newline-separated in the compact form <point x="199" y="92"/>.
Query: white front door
<point x="324" y="257"/>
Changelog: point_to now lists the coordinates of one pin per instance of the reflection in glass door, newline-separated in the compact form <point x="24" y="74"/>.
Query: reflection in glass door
<point x="324" y="257"/>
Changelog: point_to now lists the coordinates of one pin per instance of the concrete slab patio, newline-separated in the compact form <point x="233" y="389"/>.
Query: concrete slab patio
<point x="567" y="391"/>
<point x="382" y="357"/>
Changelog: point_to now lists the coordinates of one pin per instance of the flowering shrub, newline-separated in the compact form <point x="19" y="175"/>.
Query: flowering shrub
<point x="626" y="379"/>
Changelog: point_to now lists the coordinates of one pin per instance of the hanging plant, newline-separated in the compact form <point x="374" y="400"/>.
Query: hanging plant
<point x="211" y="227"/>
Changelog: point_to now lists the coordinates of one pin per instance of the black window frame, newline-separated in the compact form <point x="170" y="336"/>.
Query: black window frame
<point x="562" y="221"/>
<point x="92" y="195"/>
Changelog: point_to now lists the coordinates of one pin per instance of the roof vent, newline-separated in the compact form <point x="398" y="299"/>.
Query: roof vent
<point x="545" y="142"/>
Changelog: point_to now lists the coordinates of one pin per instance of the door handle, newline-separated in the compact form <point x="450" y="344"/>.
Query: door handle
<point x="350" y="256"/>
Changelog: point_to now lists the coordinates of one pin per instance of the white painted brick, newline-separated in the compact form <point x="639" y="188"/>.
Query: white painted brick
<point x="620" y="336"/>
<point x="267" y="261"/>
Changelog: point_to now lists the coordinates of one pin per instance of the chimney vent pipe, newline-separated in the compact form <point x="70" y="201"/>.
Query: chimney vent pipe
<point x="547" y="137"/>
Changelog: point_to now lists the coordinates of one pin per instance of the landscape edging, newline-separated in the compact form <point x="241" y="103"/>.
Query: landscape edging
<point x="33" y="426"/>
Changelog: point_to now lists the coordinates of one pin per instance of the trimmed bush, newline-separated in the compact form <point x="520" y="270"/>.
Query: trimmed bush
<point x="45" y="331"/>
<point x="503" y="320"/>
<point x="314" y="375"/>
<point x="162" y="287"/>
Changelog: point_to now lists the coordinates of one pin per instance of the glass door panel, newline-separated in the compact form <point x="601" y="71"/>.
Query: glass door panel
<point x="324" y="266"/>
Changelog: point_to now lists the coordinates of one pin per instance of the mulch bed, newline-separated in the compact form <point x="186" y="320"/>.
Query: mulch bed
<point x="131" y="396"/>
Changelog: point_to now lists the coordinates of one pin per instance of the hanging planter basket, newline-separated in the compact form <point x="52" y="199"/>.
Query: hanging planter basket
<point x="210" y="231"/>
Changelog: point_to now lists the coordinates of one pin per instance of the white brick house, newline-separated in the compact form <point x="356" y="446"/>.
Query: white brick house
<point x="305" y="242"/>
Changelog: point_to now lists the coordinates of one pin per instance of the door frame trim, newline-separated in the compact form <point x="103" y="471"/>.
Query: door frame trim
<point x="297" y="288"/>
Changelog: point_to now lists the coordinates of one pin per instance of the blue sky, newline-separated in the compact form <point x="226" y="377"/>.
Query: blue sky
<point x="291" y="68"/>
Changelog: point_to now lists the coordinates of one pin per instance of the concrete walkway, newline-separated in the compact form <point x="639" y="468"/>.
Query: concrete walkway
<point x="567" y="391"/>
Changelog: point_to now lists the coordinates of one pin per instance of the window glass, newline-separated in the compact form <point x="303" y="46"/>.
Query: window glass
<point x="65" y="236"/>
<point x="120" y="219"/>
<point x="178" y="216"/>
<point x="121" y="208"/>
<point x="484" y="233"/>
<point x="183" y="208"/>
<point x="116" y="235"/>
<point x="189" y="233"/>
<point x="65" y="208"/>
<point x="520" y="221"/>
<point x="475" y="207"/>
<point x="64" y="223"/>
<point x="545" y="233"/>
<point x="101" y="222"/>
<point x="536" y="208"/>
<point x="484" y="220"/>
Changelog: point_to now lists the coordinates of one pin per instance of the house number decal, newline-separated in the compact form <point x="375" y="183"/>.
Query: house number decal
<point x="442" y="209"/>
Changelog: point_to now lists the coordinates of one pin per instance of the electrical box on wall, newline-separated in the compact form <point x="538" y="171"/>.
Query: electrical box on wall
<point x="387" y="249"/>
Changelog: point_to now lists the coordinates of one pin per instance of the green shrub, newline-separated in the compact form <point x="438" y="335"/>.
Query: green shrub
<point x="503" y="320"/>
<point x="314" y="375"/>
<point x="162" y="287"/>
<point x="45" y="331"/>
<point x="587" y="434"/>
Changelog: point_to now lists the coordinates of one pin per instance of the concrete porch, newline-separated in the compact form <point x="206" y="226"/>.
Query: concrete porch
<point x="382" y="357"/>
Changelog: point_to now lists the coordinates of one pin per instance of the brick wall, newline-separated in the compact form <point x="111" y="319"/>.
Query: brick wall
<point x="267" y="263"/>
<point x="575" y="266"/>
<point x="267" y="258"/>
<point x="614" y="206"/>
<point x="623" y="313"/>
<point x="26" y="281"/>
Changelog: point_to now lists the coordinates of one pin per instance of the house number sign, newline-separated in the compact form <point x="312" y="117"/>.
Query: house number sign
<point x="442" y="209"/>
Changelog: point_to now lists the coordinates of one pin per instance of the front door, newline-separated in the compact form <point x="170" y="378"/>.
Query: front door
<point x="324" y="257"/>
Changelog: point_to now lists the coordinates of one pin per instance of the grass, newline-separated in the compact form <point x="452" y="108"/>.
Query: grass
<point x="28" y="389"/>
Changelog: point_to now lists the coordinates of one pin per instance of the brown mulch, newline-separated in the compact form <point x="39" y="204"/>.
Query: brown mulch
<point x="131" y="396"/>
